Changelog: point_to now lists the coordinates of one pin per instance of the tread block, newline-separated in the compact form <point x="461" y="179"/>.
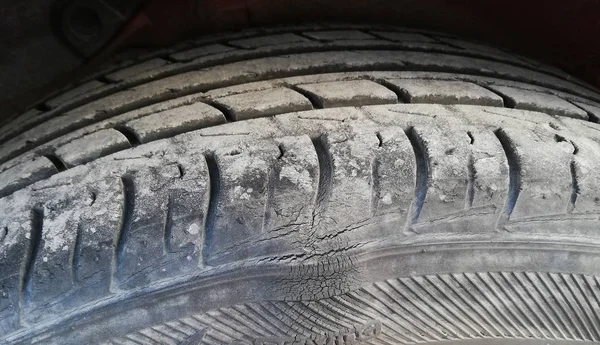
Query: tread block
<point x="134" y="70"/>
<point x="545" y="177"/>
<point x="93" y="259"/>
<point x="349" y="93"/>
<point x="239" y="202"/>
<point x="489" y="172"/>
<point x="16" y="124"/>
<point x="585" y="170"/>
<point x="52" y="270"/>
<point x="336" y="35"/>
<point x="538" y="101"/>
<point x="264" y="103"/>
<point x="348" y="164"/>
<point x="92" y="146"/>
<point x="14" y="248"/>
<point x="24" y="174"/>
<point x="74" y="93"/>
<point x="446" y="92"/>
<point x="158" y="203"/>
<point x="446" y="158"/>
<point x="261" y="41"/>
<point x="394" y="171"/>
<point x="174" y="121"/>
<point x="194" y="53"/>
<point x="289" y="205"/>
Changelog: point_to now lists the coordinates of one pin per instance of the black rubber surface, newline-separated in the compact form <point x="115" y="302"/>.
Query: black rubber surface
<point x="306" y="185"/>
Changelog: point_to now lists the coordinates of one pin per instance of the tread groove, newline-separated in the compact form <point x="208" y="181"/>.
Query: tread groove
<point x="431" y="314"/>
<point x="128" y="187"/>
<point x="375" y="186"/>
<point x="35" y="239"/>
<point x="514" y="171"/>
<point x="403" y="97"/>
<point x="574" y="187"/>
<point x="75" y="261"/>
<point x="190" y="67"/>
<point x="470" y="182"/>
<point x="453" y="301"/>
<point x="569" y="280"/>
<point x="326" y="171"/>
<point x="495" y="311"/>
<point x="470" y="301"/>
<point x="535" y="320"/>
<point x="559" y="309"/>
<point x="506" y="101"/>
<point x="422" y="175"/>
<point x="227" y="112"/>
<point x="532" y="297"/>
<point x="272" y="175"/>
<point x="517" y="313"/>
<point x="58" y="163"/>
<point x="314" y="100"/>
<point x="565" y="296"/>
<point x="214" y="176"/>
<point x="555" y="316"/>
<point x="133" y="139"/>
<point x="168" y="229"/>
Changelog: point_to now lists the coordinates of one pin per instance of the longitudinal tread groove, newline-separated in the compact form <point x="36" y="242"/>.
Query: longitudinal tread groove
<point x="422" y="175"/>
<point x="514" y="171"/>
<point x="187" y="67"/>
<point x="35" y="239"/>
<point x="214" y="174"/>
<point x="128" y="187"/>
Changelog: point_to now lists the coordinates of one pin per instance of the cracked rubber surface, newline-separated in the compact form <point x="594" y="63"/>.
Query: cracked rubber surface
<point x="306" y="185"/>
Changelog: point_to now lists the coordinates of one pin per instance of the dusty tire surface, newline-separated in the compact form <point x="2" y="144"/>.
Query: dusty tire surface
<point x="318" y="184"/>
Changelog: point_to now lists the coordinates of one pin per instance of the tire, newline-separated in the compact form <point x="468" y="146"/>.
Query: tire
<point x="306" y="185"/>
